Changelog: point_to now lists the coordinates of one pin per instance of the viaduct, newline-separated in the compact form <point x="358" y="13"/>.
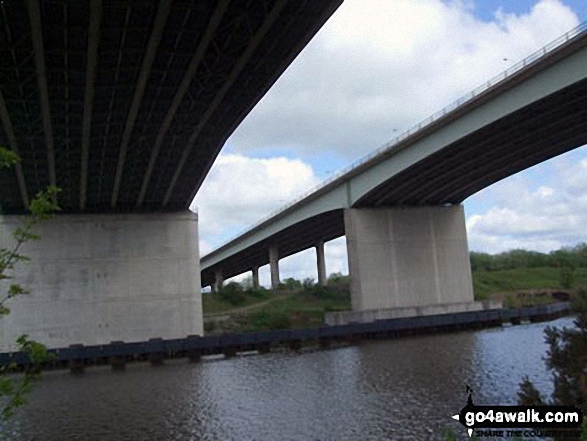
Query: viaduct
<point x="124" y="105"/>
<point x="400" y="207"/>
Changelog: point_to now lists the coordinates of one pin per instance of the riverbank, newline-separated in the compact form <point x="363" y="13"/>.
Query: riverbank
<point x="367" y="391"/>
<point x="301" y="305"/>
<point x="118" y="354"/>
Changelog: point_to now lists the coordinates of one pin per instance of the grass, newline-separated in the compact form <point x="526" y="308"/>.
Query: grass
<point x="265" y="310"/>
<point x="488" y="283"/>
<point x="284" y="310"/>
<point x="215" y="304"/>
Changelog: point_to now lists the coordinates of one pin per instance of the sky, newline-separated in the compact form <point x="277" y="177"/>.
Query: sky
<point x="374" y="70"/>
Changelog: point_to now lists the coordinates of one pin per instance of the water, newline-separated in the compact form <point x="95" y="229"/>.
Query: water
<point x="403" y="389"/>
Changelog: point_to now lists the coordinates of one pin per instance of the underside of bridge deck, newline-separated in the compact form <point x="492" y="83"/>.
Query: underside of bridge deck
<point x="125" y="104"/>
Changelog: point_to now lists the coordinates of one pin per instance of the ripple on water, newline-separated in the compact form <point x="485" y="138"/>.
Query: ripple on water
<point x="396" y="389"/>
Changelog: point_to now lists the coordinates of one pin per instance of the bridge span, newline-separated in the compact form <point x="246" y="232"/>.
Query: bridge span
<point x="400" y="206"/>
<point x="125" y="105"/>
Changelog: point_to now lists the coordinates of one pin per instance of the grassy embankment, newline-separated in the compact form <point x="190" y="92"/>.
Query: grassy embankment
<point x="296" y="306"/>
<point x="249" y="311"/>
<point x="513" y="286"/>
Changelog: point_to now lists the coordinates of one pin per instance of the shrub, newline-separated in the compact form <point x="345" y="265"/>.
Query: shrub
<point x="567" y="361"/>
<point x="209" y="326"/>
<point x="567" y="276"/>
<point x="259" y="293"/>
<point x="232" y="293"/>
<point x="308" y="283"/>
<point x="264" y="320"/>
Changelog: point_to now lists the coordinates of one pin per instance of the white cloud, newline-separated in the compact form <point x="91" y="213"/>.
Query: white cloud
<point x="379" y="66"/>
<point x="550" y="217"/>
<point x="375" y="69"/>
<point x="239" y="190"/>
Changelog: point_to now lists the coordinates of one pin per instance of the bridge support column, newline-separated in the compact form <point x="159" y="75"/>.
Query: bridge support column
<point x="255" y="272"/>
<point x="321" y="262"/>
<point x="218" y="281"/>
<point x="407" y="262"/>
<point x="274" y="267"/>
<point x="100" y="278"/>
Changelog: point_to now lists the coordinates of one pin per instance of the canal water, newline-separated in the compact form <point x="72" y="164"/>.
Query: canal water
<point x="404" y="389"/>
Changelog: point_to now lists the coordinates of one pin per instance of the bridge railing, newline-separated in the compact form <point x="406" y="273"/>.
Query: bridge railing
<point x="391" y="145"/>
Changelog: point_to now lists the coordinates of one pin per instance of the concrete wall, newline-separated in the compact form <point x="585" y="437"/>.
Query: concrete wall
<point x="405" y="257"/>
<point x="371" y="315"/>
<point x="101" y="278"/>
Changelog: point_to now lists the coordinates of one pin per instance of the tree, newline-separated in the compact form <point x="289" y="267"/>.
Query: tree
<point x="567" y="359"/>
<point x="338" y="279"/>
<point x="308" y="283"/>
<point x="567" y="276"/>
<point x="232" y="293"/>
<point x="14" y="389"/>
<point x="292" y="284"/>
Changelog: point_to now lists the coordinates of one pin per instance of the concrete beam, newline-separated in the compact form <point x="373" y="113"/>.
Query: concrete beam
<point x="321" y="263"/>
<point x="91" y="67"/>
<point x="101" y="278"/>
<point x="181" y="91"/>
<point x="274" y="267"/>
<point x="228" y="83"/>
<point x="543" y="81"/>
<point x="41" y="68"/>
<point x="152" y="46"/>
<point x="255" y="272"/>
<point x="9" y="129"/>
<point x="218" y="281"/>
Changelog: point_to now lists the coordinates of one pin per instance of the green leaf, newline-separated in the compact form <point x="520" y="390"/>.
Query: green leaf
<point x="44" y="205"/>
<point x="7" y="157"/>
<point x="15" y="290"/>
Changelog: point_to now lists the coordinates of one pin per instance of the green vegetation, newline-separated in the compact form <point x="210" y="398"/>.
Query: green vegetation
<point x="517" y="278"/>
<point x="574" y="257"/>
<point x="520" y="277"/>
<point x="233" y="295"/>
<point x="13" y="389"/>
<point x="295" y="305"/>
<point x="488" y="283"/>
<point x="567" y="360"/>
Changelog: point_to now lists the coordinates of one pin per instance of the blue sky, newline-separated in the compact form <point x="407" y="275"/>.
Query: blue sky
<point x="485" y="9"/>
<point x="374" y="70"/>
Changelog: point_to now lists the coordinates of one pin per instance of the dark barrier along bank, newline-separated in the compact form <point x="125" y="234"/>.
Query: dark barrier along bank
<point x="77" y="357"/>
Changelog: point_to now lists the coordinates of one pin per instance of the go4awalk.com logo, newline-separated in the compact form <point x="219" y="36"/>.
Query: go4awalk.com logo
<point x="520" y="421"/>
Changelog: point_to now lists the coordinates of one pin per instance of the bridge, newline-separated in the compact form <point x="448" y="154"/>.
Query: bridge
<point x="400" y="206"/>
<point x="124" y="105"/>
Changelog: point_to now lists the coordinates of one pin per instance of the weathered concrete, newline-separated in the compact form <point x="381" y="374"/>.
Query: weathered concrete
<point x="543" y="80"/>
<point x="371" y="315"/>
<point x="218" y="282"/>
<point x="255" y="272"/>
<point x="101" y="278"/>
<point x="274" y="267"/>
<point x="408" y="257"/>
<point x="321" y="263"/>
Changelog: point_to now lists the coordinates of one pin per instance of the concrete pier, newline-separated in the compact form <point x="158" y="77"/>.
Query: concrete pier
<point x="274" y="267"/>
<point x="218" y="281"/>
<point x="408" y="257"/>
<point x="94" y="279"/>
<point x="321" y="263"/>
<point x="255" y="272"/>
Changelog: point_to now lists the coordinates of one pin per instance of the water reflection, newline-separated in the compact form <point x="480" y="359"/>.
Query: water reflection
<point x="401" y="389"/>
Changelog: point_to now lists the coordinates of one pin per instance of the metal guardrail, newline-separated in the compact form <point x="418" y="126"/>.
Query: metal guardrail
<point x="391" y="145"/>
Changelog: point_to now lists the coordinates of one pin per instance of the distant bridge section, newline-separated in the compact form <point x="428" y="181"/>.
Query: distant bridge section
<point x="534" y="111"/>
